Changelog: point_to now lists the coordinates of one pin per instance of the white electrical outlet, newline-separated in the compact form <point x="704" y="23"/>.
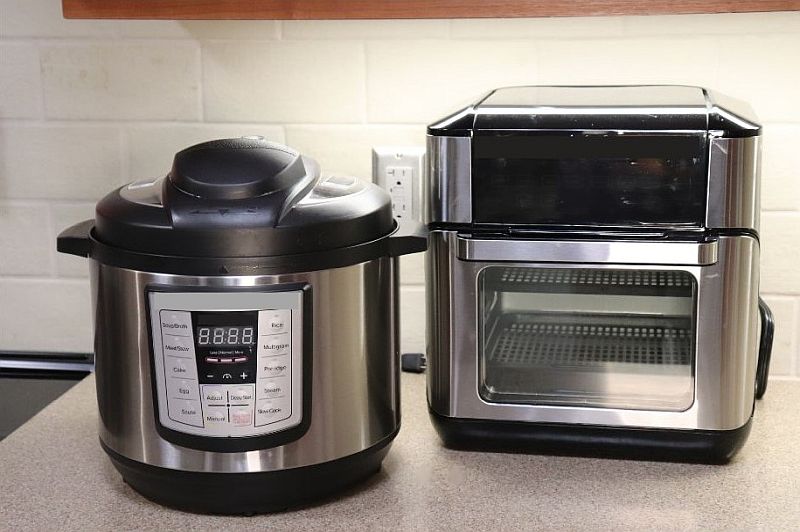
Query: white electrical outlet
<point x="398" y="169"/>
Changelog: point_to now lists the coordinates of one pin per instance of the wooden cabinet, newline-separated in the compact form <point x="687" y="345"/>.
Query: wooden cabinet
<point x="399" y="9"/>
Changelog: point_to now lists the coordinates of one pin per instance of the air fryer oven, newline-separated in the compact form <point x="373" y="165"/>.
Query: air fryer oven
<point x="593" y="272"/>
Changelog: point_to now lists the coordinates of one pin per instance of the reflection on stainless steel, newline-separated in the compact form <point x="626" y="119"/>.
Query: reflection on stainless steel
<point x="733" y="183"/>
<point x="449" y="190"/>
<point x="355" y="392"/>
<point x="725" y="343"/>
<point x="627" y="252"/>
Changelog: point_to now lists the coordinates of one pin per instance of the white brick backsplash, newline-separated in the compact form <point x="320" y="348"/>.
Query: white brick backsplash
<point x="122" y="81"/>
<point x="23" y="239"/>
<point x="20" y="81"/>
<point x="195" y="29"/>
<point x="231" y="29"/>
<point x="318" y="82"/>
<point x="779" y="247"/>
<point x="348" y="149"/>
<point x="59" y="162"/>
<point x="763" y="70"/>
<point x="412" y="269"/>
<point x="627" y="61"/>
<point x="780" y="172"/>
<point x="43" y="18"/>
<point x="412" y="319"/>
<point x="365" y="29"/>
<point x="785" y="351"/>
<point x="537" y="28"/>
<point x="423" y="81"/>
<point x="711" y="24"/>
<point x="63" y="216"/>
<point x="151" y="148"/>
<point x="45" y="315"/>
<point x="87" y="105"/>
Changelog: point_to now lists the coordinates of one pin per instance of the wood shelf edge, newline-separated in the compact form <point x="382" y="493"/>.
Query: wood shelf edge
<point x="398" y="9"/>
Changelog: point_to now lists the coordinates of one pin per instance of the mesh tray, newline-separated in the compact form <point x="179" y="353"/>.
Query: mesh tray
<point x="527" y="339"/>
<point x="597" y="281"/>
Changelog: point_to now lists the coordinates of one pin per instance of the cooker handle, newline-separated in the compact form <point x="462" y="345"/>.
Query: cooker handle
<point x="764" y="347"/>
<point x="410" y="236"/>
<point x="75" y="240"/>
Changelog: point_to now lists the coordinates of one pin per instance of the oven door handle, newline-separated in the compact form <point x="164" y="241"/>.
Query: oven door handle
<point x="764" y="347"/>
<point x="587" y="251"/>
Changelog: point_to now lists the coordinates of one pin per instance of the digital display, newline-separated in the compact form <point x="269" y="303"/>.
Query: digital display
<point x="225" y="335"/>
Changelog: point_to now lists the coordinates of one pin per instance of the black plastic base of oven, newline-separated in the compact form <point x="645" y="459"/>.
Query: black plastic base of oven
<point x="249" y="493"/>
<point x="699" y="446"/>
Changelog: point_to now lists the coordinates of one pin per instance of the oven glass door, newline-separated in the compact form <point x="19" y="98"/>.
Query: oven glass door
<point x="593" y="337"/>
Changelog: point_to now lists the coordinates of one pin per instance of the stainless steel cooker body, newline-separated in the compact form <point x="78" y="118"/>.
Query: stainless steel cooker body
<point x="354" y="400"/>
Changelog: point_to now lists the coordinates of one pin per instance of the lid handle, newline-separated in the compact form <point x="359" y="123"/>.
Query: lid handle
<point x="410" y="236"/>
<point x="236" y="169"/>
<point x="76" y="240"/>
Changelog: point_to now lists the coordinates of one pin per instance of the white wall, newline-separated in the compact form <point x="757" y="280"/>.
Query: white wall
<point x="87" y="105"/>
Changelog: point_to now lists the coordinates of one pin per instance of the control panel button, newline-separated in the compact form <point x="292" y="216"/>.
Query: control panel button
<point x="215" y="394"/>
<point x="274" y="388"/>
<point x="272" y="410"/>
<point x="269" y="367"/>
<point x="179" y="346"/>
<point x="274" y="345"/>
<point x="274" y="321"/>
<point x="182" y="389"/>
<point x="180" y="367"/>
<point x="242" y="416"/>
<point x="241" y="394"/>
<point x="186" y="412"/>
<point x="216" y="415"/>
<point x="176" y="322"/>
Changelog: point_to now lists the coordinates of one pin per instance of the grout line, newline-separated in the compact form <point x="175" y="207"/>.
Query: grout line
<point x="365" y="64"/>
<point x="794" y="345"/>
<point x="49" y="280"/>
<point x="201" y="83"/>
<point x="51" y="233"/>
<point x="124" y="157"/>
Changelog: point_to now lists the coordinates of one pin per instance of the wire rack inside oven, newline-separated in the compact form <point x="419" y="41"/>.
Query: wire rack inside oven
<point x="592" y="280"/>
<point x="520" y="339"/>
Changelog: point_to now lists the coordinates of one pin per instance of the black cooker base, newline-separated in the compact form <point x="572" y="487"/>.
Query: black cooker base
<point x="703" y="446"/>
<point x="249" y="493"/>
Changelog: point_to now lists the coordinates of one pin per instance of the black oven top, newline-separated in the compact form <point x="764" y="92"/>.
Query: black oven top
<point x="643" y="108"/>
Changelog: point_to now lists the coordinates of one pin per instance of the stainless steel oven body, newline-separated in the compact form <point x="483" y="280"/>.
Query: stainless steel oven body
<point x="593" y="272"/>
<point x="724" y="326"/>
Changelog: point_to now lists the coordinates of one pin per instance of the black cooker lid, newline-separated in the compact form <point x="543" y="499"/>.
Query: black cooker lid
<point x="242" y="197"/>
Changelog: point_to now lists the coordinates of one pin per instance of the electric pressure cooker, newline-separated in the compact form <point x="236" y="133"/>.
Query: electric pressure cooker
<point x="593" y="272"/>
<point x="246" y="327"/>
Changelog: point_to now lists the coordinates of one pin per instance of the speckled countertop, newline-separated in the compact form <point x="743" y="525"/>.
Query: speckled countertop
<point x="55" y="477"/>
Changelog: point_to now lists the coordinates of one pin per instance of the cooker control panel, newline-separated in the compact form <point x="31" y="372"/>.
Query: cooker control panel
<point x="228" y="364"/>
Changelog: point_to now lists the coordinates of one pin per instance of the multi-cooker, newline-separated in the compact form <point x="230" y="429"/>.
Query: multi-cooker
<point x="246" y="327"/>
<point x="593" y="272"/>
